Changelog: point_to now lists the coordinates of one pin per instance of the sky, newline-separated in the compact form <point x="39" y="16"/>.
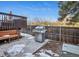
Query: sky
<point x="45" y="10"/>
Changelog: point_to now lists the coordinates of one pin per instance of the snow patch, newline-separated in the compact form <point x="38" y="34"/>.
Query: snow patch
<point x="26" y="35"/>
<point x="64" y="52"/>
<point x="46" y="53"/>
<point x="16" y="49"/>
<point x="52" y="53"/>
<point x="42" y="54"/>
<point x="28" y="55"/>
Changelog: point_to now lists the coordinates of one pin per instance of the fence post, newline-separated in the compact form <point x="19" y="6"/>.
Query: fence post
<point x="60" y="34"/>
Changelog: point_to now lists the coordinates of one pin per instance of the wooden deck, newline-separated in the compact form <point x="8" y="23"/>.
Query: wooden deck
<point x="9" y="34"/>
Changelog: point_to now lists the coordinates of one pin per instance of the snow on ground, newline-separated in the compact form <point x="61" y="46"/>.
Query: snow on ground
<point x="42" y="54"/>
<point x="71" y="48"/>
<point x="52" y="53"/>
<point x="28" y="55"/>
<point x="31" y="46"/>
<point x="26" y="35"/>
<point x="28" y="40"/>
<point x="46" y="53"/>
<point x="15" y="49"/>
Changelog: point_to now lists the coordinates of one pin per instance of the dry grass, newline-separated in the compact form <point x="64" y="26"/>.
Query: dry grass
<point x="57" y="23"/>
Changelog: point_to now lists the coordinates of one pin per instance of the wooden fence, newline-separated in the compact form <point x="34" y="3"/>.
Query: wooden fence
<point x="64" y="34"/>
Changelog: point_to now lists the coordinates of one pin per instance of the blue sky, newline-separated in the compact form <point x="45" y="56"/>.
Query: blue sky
<point x="32" y="9"/>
